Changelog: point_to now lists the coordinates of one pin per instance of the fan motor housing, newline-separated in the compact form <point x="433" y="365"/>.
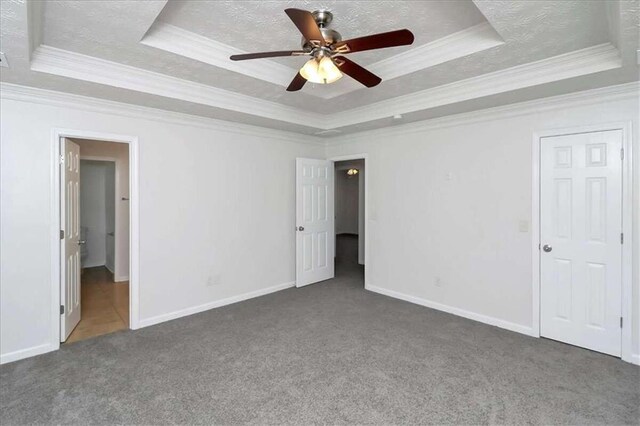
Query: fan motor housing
<point x="323" y="18"/>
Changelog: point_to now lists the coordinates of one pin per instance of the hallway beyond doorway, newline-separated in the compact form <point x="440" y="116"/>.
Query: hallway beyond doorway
<point x="347" y="257"/>
<point x="105" y="305"/>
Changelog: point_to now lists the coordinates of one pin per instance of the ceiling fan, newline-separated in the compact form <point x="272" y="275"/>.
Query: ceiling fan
<point x="327" y="48"/>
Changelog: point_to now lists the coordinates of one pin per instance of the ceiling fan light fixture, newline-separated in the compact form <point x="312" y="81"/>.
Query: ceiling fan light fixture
<point x="327" y="48"/>
<point x="321" y="71"/>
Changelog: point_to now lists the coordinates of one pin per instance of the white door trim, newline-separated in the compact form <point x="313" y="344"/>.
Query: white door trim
<point x="134" y="255"/>
<point x="627" y="217"/>
<point x="367" y="173"/>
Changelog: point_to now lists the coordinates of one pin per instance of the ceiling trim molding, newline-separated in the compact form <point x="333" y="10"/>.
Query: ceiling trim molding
<point x="582" y="98"/>
<point x="187" y="44"/>
<point x="49" y="97"/>
<point x="20" y="93"/>
<point x="573" y="64"/>
<point x="64" y="63"/>
<point x="454" y="46"/>
<point x="457" y="45"/>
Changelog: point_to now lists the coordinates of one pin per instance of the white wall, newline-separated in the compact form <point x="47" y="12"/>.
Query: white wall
<point x="445" y="207"/>
<point x="93" y="211"/>
<point x="446" y="202"/>
<point x="120" y="153"/>
<point x="203" y="188"/>
<point x="346" y="203"/>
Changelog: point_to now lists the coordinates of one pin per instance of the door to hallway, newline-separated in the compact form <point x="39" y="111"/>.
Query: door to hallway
<point x="314" y="221"/>
<point x="94" y="244"/>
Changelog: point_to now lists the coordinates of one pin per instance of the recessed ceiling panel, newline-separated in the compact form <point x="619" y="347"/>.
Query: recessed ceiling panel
<point x="262" y="25"/>
<point x="174" y="54"/>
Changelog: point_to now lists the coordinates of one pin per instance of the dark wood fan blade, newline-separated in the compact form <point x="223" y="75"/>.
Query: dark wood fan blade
<point x="375" y="41"/>
<point x="307" y="25"/>
<point x="259" y="55"/>
<point x="297" y="83"/>
<point x="356" y="72"/>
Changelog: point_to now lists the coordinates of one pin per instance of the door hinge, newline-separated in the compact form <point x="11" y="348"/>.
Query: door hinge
<point x="620" y="322"/>
<point x="622" y="153"/>
<point x="61" y="309"/>
<point x="61" y="158"/>
<point x="62" y="234"/>
<point x="621" y="238"/>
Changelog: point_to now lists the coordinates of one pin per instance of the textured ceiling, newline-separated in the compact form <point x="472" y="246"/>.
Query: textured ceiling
<point x="259" y="26"/>
<point x="112" y="30"/>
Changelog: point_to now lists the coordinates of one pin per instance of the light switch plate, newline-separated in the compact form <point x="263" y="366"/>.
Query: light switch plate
<point x="523" y="226"/>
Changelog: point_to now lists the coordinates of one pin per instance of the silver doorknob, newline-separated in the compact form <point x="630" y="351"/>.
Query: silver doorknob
<point x="81" y="242"/>
<point x="300" y="228"/>
<point x="547" y="248"/>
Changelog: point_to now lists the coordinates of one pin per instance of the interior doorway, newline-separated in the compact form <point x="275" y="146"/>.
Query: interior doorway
<point x="316" y="245"/>
<point x="349" y="217"/>
<point x="95" y="240"/>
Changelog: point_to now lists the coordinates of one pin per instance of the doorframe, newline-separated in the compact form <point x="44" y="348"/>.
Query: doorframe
<point x="134" y="225"/>
<point x="116" y="221"/>
<point x="627" y="217"/>
<point x="365" y="158"/>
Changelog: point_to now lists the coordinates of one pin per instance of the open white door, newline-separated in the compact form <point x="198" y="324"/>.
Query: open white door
<point x="70" y="243"/>
<point x="580" y="232"/>
<point x="315" y="221"/>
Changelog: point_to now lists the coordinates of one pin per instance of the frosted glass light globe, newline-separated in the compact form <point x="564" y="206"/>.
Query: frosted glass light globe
<point x="322" y="71"/>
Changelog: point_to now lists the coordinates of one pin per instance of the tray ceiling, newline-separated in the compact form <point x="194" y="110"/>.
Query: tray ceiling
<point x="174" y="55"/>
<point x="260" y="26"/>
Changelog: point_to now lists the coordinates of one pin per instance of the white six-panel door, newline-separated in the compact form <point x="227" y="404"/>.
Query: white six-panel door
<point x="580" y="234"/>
<point x="70" y="245"/>
<point x="315" y="221"/>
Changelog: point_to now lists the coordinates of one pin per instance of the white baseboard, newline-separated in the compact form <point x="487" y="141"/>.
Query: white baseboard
<point x="120" y="279"/>
<point x="26" y="353"/>
<point x="109" y="269"/>
<point x="518" y="328"/>
<point x="635" y="359"/>
<point x="215" y="304"/>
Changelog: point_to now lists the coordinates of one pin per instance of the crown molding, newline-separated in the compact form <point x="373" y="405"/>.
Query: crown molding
<point x="454" y="46"/>
<point x="457" y="45"/>
<point x="20" y="93"/>
<point x="185" y="43"/>
<point x="583" y="98"/>
<point x="573" y="64"/>
<point x="581" y="62"/>
<point x="49" y="97"/>
<point x="64" y="63"/>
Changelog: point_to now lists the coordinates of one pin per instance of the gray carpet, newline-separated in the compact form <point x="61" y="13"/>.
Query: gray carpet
<point x="327" y="353"/>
